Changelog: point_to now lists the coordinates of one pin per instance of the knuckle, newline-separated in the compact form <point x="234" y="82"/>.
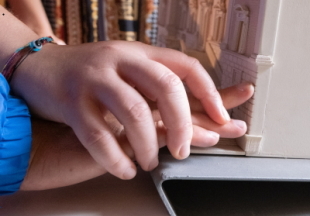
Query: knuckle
<point x="99" y="137"/>
<point x="117" y="165"/>
<point x="212" y="94"/>
<point x="186" y="126"/>
<point x="193" y="62"/>
<point x="170" y="83"/>
<point x="113" y="164"/>
<point x="112" y="46"/>
<point x="139" y="112"/>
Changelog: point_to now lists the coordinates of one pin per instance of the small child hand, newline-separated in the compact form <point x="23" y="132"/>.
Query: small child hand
<point x="78" y="85"/>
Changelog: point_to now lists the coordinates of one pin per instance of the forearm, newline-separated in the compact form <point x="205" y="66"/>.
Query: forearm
<point x="13" y="34"/>
<point x="58" y="159"/>
<point x="31" y="12"/>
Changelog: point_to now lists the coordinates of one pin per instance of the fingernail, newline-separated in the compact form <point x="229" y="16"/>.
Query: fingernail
<point x="214" y="135"/>
<point x="225" y="114"/>
<point x="184" y="151"/>
<point x="239" y="123"/>
<point x="129" y="173"/>
<point x="153" y="164"/>
<point x="243" y="86"/>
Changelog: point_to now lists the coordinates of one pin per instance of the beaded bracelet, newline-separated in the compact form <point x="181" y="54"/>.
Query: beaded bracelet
<point x="21" y="54"/>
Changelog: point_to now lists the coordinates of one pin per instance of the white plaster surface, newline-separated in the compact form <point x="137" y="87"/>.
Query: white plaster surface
<point x="265" y="42"/>
<point x="287" y="109"/>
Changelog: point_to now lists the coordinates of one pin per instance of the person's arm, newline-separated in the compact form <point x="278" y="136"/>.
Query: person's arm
<point x="13" y="34"/>
<point x="14" y="161"/>
<point x="58" y="158"/>
<point x="32" y="13"/>
<point x="76" y="85"/>
<point x="79" y="85"/>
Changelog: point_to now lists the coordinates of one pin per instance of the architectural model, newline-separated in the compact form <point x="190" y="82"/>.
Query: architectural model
<point x="265" y="42"/>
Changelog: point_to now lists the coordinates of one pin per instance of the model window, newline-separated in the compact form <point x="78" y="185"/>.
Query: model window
<point x="240" y="29"/>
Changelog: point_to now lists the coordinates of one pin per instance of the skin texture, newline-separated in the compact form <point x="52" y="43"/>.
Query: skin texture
<point x="79" y="84"/>
<point x="58" y="158"/>
<point x="31" y="12"/>
<point x="122" y="100"/>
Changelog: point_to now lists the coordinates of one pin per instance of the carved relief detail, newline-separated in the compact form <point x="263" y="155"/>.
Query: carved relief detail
<point x="192" y="20"/>
<point x="219" y="13"/>
<point x="204" y="19"/>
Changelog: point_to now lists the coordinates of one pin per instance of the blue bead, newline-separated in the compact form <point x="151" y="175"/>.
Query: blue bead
<point x="36" y="45"/>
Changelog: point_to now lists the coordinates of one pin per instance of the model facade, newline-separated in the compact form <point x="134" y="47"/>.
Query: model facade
<point x="261" y="41"/>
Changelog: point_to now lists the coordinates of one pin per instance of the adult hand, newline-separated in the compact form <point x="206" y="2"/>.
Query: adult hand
<point x="78" y="85"/>
<point x="207" y="132"/>
<point x="58" y="159"/>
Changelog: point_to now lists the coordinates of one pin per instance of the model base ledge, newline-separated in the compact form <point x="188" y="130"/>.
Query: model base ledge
<point x="227" y="168"/>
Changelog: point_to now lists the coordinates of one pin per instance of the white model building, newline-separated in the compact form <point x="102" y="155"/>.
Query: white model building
<point x="266" y="42"/>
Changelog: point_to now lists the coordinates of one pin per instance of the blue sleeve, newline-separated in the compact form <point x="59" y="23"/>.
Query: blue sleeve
<point x="15" y="139"/>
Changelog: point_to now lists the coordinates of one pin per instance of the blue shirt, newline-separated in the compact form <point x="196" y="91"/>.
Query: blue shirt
<point x="15" y="139"/>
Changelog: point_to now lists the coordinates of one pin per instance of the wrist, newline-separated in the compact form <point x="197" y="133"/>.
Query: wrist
<point x="33" y="81"/>
<point x="21" y="54"/>
<point x="29" y="71"/>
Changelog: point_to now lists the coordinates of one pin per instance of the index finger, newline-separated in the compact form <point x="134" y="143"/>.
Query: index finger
<point x="196" y="78"/>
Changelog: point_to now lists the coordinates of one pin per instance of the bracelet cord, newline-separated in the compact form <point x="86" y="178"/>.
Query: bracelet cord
<point x="21" y="54"/>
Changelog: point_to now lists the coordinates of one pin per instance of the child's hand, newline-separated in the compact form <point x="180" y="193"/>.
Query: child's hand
<point x="207" y="132"/>
<point x="78" y="85"/>
<point x="58" y="159"/>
